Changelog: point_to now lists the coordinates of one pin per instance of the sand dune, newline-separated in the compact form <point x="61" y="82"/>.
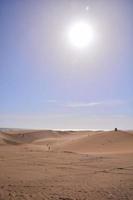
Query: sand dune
<point x="79" y="142"/>
<point x="103" y="142"/>
<point x="28" y="137"/>
<point x="28" y="170"/>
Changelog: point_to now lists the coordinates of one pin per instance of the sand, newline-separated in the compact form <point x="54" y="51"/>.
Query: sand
<point x="80" y="165"/>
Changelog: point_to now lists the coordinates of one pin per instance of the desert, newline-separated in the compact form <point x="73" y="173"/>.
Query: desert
<point x="66" y="99"/>
<point x="66" y="165"/>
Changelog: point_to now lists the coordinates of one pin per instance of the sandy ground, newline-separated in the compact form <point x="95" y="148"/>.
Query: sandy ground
<point x="78" y="166"/>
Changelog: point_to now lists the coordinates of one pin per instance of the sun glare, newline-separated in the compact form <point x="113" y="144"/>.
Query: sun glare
<point x="80" y="34"/>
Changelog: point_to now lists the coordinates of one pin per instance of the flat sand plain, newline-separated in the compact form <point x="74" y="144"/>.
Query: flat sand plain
<point x="56" y="165"/>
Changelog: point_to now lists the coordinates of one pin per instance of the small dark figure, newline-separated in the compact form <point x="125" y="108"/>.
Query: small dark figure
<point x="116" y="129"/>
<point x="48" y="146"/>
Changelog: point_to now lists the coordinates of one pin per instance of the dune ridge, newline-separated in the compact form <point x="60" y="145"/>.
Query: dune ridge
<point x="74" y="141"/>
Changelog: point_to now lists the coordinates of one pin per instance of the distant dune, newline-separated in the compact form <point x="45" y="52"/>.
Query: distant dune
<point x="25" y="137"/>
<point x="103" y="142"/>
<point x="79" y="141"/>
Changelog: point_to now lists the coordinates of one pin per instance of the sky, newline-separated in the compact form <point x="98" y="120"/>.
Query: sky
<point x="46" y="82"/>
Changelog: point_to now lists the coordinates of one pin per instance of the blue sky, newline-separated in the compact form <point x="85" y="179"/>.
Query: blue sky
<point x="47" y="83"/>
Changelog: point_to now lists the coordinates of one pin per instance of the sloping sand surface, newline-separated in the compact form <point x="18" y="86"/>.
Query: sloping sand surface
<point x="30" y="173"/>
<point x="78" y="166"/>
<point x="103" y="142"/>
<point x="79" y="142"/>
<point x="27" y="137"/>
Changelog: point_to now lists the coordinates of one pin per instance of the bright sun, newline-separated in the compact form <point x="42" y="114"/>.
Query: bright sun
<point x="80" y="34"/>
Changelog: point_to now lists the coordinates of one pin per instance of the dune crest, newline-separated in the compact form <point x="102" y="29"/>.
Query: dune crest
<point x="103" y="142"/>
<point x="79" y="142"/>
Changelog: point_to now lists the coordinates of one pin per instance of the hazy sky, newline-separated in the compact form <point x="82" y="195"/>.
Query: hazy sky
<point x="46" y="82"/>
